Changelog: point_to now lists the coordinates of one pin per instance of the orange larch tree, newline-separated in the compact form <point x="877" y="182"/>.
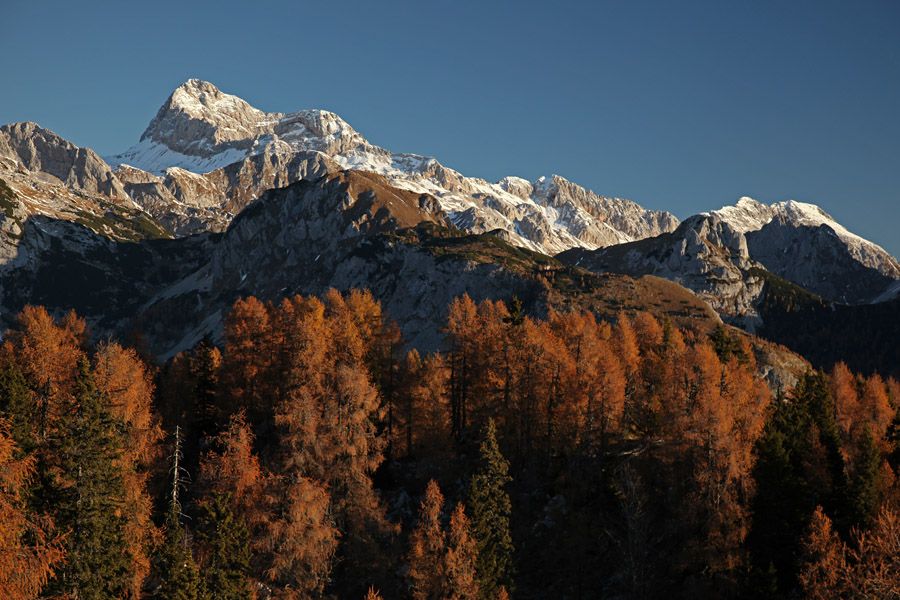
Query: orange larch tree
<point x="247" y="379"/>
<point x="46" y="351"/>
<point x="428" y="546"/>
<point x="462" y="335"/>
<point x="123" y="379"/>
<point x="845" y="396"/>
<point x="823" y="560"/>
<point x="27" y="553"/>
<point x="461" y="558"/>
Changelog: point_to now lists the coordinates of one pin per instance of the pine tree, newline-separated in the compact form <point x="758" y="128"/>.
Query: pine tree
<point x="227" y="551"/>
<point x="174" y="566"/>
<point x="90" y="496"/>
<point x="17" y="406"/>
<point x="812" y="392"/>
<point x="204" y="367"/>
<point x="516" y="315"/>
<point x="864" y="493"/>
<point x="490" y="510"/>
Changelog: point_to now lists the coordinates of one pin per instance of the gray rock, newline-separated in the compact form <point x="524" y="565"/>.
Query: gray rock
<point x="40" y="150"/>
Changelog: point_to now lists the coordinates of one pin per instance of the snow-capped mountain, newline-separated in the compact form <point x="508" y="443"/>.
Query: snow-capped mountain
<point x="207" y="158"/>
<point x="721" y="255"/>
<point x="803" y="244"/>
<point x="215" y="154"/>
<point x="748" y="215"/>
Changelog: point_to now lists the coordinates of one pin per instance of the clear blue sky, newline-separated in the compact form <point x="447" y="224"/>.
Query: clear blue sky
<point x="683" y="106"/>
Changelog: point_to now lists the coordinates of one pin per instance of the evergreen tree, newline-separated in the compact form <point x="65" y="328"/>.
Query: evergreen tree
<point x="490" y="510"/>
<point x="175" y="570"/>
<point x="784" y="497"/>
<point x="516" y="315"/>
<point x="726" y="346"/>
<point x="17" y="406"/>
<point x="178" y="576"/>
<point x="204" y="367"/>
<point x="864" y="494"/>
<point x="812" y="392"/>
<point x="91" y="495"/>
<point x="799" y="466"/>
<point x="227" y="547"/>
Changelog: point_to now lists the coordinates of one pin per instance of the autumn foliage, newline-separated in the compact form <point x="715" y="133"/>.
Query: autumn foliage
<point x="579" y="458"/>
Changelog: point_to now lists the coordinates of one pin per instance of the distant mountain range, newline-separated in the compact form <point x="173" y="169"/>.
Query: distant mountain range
<point x="219" y="200"/>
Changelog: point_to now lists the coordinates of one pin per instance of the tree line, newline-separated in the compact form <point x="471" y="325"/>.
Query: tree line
<point x="312" y="456"/>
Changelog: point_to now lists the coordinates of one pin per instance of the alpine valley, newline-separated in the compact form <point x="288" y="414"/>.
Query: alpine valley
<point x="219" y="200"/>
<point x="255" y="357"/>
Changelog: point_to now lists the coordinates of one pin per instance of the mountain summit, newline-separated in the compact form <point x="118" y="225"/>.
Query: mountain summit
<point x="802" y="243"/>
<point x="202" y="138"/>
<point x="208" y="159"/>
<point x="199" y="128"/>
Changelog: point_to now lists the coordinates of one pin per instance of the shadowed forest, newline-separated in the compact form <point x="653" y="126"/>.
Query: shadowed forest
<point x="312" y="456"/>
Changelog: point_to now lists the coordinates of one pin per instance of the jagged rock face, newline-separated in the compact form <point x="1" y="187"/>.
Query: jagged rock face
<point x="188" y="203"/>
<point x="815" y="258"/>
<point x="803" y="244"/>
<point x="43" y="175"/>
<point x="704" y="254"/>
<point x="199" y="120"/>
<point x="31" y="147"/>
<point x="64" y="266"/>
<point x="622" y="215"/>
<point x="202" y="130"/>
<point x="293" y="240"/>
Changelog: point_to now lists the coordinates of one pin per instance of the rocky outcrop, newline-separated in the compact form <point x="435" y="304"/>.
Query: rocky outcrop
<point x="614" y="214"/>
<point x="199" y="120"/>
<point x="189" y="203"/>
<point x="704" y="254"/>
<point x="815" y="258"/>
<point x="803" y="244"/>
<point x="36" y="149"/>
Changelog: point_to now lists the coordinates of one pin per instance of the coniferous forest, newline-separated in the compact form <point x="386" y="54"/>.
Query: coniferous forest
<point x="311" y="454"/>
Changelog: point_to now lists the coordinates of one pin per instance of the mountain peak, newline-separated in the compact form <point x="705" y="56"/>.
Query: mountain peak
<point x="198" y="117"/>
<point x="203" y="100"/>
<point x="200" y="128"/>
<point x="754" y="218"/>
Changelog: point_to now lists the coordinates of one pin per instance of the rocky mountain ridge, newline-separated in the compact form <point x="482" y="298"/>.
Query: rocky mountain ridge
<point x="203" y="130"/>
<point x="705" y="254"/>
<point x="803" y="244"/>
<point x="344" y="230"/>
<point x="55" y="196"/>
<point x="722" y="256"/>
